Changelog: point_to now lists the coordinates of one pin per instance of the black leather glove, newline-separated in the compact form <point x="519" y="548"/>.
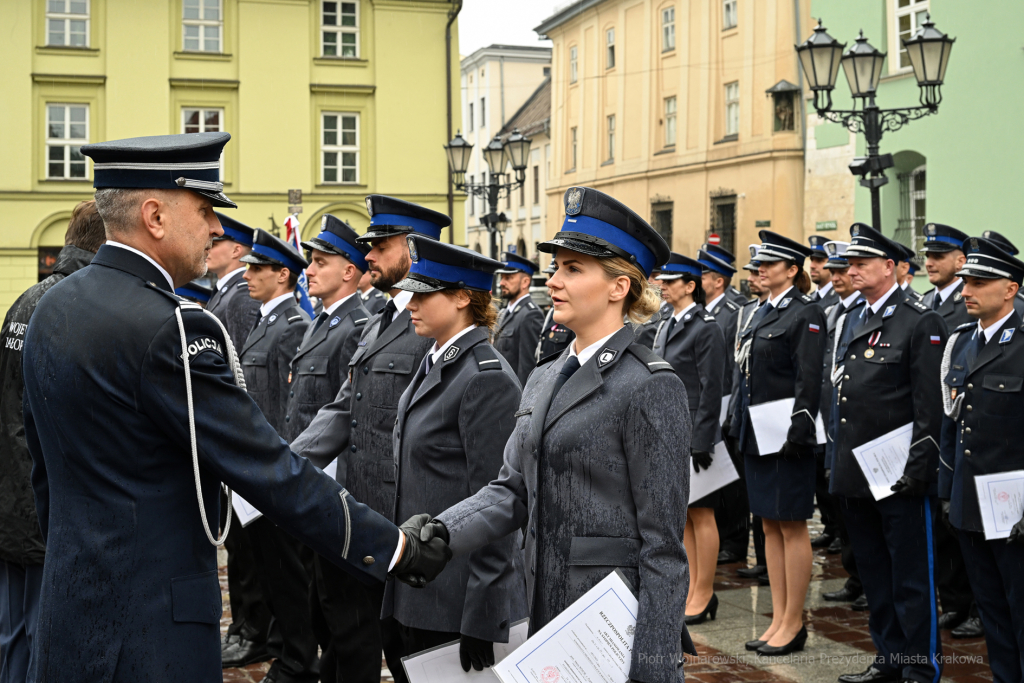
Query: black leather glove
<point x="435" y="529"/>
<point x="944" y="513"/>
<point x="1017" y="533"/>
<point x="479" y="653"/>
<point x="726" y="426"/>
<point x="701" y="459"/>
<point x="793" y="451"/>
<point x="908" y="486"/>
<point x="420" y="562"/>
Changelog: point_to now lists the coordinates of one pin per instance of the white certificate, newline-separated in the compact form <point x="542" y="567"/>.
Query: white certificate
<point x="883" y="460"/>
<point x="332" y="469"/>
<point x="244" y="510"/>
<point x="1001" y="500"/>
<point x="721" y="473"/>
<point x="724" y="412"/>
<point x="590" y="641"/>
<point x="771" y="423"/>
<point x="442" y="664"/>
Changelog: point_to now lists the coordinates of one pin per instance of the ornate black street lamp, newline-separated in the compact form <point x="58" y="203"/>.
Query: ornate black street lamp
<point x="820" y="57"/>
<point x="498" y="155"/>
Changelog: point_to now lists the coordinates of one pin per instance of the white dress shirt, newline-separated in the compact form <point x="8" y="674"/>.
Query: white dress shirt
<point x="401" y="301"/>
<point x="875" y="307"/>
<point x="588" y="353"/>
<point x="824" y="290"/>
<point x="780" y="297"/>
<point x="226" y="277"/>
<point x="714" y="302"/>
<point x="943" y="293"/>
<point x="679" y="316"/>
<point x="435" y="353"/>
<point x="333" y="307"/>
<point x="266" y="308"/>
<point x="512" y="306"/>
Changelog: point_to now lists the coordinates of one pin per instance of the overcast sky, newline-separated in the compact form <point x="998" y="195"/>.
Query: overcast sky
<point x="509" y="22"/>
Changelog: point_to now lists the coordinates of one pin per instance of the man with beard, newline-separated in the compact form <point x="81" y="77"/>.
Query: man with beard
<point x="519" y="324"/>
<point x="357" y="430"/>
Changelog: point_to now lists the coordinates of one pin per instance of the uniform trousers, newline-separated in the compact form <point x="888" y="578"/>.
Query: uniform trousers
<point x="996" y="573"/>
<point x="285" y="565"/>
<point x="250" y="616"/>
<point x="409" y="641"/>
<point x="827" y="505"/>
<point x="895" y="549"/>
<point x="733" y="510"/>
<point x="951" y="573"/>
<point x="19" y="609"/>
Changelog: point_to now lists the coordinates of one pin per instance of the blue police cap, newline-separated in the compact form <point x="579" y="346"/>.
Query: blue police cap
<point x="817" y="243"/>
<point x="776" y="247"/>
<point x="598" y="225"/>
<point x="914" y="266"/>
<point x="939" y="238"/>
<point x="754" y="263"/>
<point x="234" y="230"/>
<point x="437" y="265"/>
<point x="195" y="291"/>
<point x="390" y="216"/>
<point x="716" y="265"/>
<point x="906" y="253"/>
<point x="866" y="242"/>
<point x="719" y="252"/>
<point x="166" y="162"/>
<point x="836" y="252"/>
<point x="268" y="250"/>
<point x="514" y="263"/>
<point x="337" y="237"/>
<point x="1003" y="243"/>
<point x="678" y="266"/>
<point x="986" y="259"/>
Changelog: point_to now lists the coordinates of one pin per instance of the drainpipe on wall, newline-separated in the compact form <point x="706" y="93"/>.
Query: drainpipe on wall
<point x="800" y="78"/>
<point x="501" y="71"/>
<point x="452" y="15"/>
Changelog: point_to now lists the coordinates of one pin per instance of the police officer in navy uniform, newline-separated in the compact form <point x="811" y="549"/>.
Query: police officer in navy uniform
<point x="519" y="324"/>
<point x="983" y="368"/>
<point x="231" y="302"/>
<point x="1011" y="249"/>
<point x="554" y="336"/>
<point x="196" y="292"/>
<point x="905" y="271"/>
<point x="885" y="374"/>
<point x="373" y="299"/>
<point x="723" y="254"/>
<point x="943" y="258"/>
<point x="453" y="422"/>
<point x="356" y="428"/>
<point x="121" y="463"/>
<point x="645" y="333"/>
<point x="820" y="276"/>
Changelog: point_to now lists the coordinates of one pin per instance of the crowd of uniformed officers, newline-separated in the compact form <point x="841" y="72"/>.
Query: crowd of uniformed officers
<point x="487" y="466"/>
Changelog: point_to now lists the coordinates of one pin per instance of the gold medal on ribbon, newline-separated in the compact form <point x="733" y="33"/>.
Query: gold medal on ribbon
<point x="870" y="353"/>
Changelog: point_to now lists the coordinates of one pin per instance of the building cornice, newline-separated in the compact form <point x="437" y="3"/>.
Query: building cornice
<point x="69" y="79"/>
<point x="560" y="17"/>
<point x="342" y="88"/>
<point x="203" y="83"/>
<point x="511" y="53"/>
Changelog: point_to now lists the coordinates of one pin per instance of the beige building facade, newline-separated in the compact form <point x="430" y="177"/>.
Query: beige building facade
<point x="688" y="111"/>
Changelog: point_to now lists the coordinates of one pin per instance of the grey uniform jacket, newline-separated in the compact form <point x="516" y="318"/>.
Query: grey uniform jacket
<point x="235" y="308"/>
<point x="453" y="422"/>
<point x="373" y="301"/>
<point x="320" y="365"/>
<point x="517" y="335"/>
<point x="357" y="427"/>
<point x="727" y="313"/>
<point x="696" y="349"/>
<point x="830" y="299"/>
<point x="266" y="359"/>
<point x="953" y="310"/>
<point x="590" y="475"/>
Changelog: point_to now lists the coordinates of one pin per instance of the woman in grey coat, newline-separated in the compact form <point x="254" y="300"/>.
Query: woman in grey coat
<point x="597" y="470"/>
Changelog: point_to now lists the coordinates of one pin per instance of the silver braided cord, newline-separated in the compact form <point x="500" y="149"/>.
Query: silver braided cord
<point x="950" y="405"/>
<point x="837" y="373"/>
<point x="743" y="351"/>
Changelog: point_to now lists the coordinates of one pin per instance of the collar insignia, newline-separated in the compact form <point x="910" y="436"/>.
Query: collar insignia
<point x="785" y="302"/>
<point x="1006" y="336"/>
<point x="272" y="319"/>
<point x="573" y="201"/>
<point x="889" y="310"/>
<point x="606" y="357"/>
<point x="335" y="321"/>
<point x="958" y="296"/>
<point x="451" y="353"/>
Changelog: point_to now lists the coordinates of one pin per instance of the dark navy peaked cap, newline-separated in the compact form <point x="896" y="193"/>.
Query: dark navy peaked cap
<point x="437" y="265"/>
<point x="711" y="262"/>
<point x="390" y="216"/>
<point x="776" y="247"/>
<point x="599" y="225"/>
<point x="236" y="231"/>
<point x="268" y="250"/>
<point x="189" y="161"/>
<point x="678" y="266"/>
<point x="720" y="253"/>
<point x="337" y="237"/>
<point x="986" y="259"/>
<point x="514" y="263"/>
<point x="939" y="238"/>
<point x="906" y="252"/>
<point x="817" y="243"/>
<point x="866" y="242"/>
<point x="196" y="291"/>
<point x="1003" y="243"/>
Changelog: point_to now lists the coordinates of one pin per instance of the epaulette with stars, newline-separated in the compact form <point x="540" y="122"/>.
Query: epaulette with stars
<point x="916" y="305"/>
<point x="966" y="326"/>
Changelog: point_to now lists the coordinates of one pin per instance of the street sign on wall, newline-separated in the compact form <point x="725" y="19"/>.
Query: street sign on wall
<point x="822" y="226"/>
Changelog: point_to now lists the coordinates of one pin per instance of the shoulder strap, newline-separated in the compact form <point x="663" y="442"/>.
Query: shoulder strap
<point x="359" y="316"/>
<point x="486" y="357"/>
<point x="652" y="361"/>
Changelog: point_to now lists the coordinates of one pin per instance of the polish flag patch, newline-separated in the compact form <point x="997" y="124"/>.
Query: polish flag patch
<point x="813" y="328"/>
<point x="935" y="340"/>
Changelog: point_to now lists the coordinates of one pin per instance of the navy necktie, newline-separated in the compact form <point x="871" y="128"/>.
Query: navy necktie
<point x="572" y="364"/>
<point x="386" y="316"/>
<point x="319" y="321"/>
<point x="936" y="301"/>
<point x="671" y="326"/>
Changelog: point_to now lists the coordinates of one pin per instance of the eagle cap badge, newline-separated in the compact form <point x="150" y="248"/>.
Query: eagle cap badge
<point x="413" y="254"/>
<point x="369" y="206"/>
<point x="573" y="201"/>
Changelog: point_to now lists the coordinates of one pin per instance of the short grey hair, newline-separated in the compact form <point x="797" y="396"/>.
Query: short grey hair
<point x="119" y="208"/>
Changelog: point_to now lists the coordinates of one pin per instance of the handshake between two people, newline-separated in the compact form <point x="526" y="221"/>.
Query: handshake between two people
<point x="425" y="551"/>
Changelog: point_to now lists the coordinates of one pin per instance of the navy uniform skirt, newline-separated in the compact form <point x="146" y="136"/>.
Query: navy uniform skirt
<point x="780" y="489"/>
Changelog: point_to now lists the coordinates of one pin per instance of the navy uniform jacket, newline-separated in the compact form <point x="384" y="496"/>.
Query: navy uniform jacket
<point x="516" y="337"/>
<point x="726" y="313"/>
<point x="830" y="299"/>
<point x="235" y="308"/>
<point x="373" y="300"/>
<point x="130" y="590"/>
<point x="554" y="337"/>
<point x="986" y="436"/>
<point x="266" y="358"/>
<point x="913" y="293"/>
<point x="953" y="310"/>
<point x="898" y="384"/>
<point x="645" y="333"/>
<point x="357" y="427"/>
<point x="786" y="352"/>
<point x="452" y="427"/>
<point x="696" y="350"/>
<point x="832" y="315"/>
<point x="587" y="475"/>
<point x="320" y="366"/>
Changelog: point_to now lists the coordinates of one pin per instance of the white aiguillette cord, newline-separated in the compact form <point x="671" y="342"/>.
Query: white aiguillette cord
<point x="236" y="370"/>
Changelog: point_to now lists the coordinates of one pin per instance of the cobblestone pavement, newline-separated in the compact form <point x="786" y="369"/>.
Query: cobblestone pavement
<point x="838" y="641"/>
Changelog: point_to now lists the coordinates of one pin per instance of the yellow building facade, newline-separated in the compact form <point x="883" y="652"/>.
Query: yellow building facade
<point x="686" y="110"/>
<point x="336" y="99"/>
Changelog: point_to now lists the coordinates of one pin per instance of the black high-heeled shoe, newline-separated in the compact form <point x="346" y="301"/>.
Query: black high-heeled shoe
<point x="753" y="645"/>
<point x="795" y="645"/>
<point x="711" y="610"/>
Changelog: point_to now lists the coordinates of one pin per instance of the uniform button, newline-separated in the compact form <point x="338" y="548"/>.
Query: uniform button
<point x="312" y="368"/>
<point x="969" y="409"/>
<point x="287" y="418"/>
<point x="844" y="399"/>
<point x="846" y="377"/>
<point x="853" y="356"/>
<point x="353" y="448"/>
<point x="769" y="336"/>
<point x="391" y="366"/>
<point x="359" y="397"/>
<point x="1002" y="386"/>
<point x="843" y="421"/>
<point x="967" y="431"/>
<point x="967" y="453"/>
<point x="353" y="423"/>
<point x="368" y="560"/>
<point x="366" y="370"/>
<point x="291" y="393"/>
<point x="503" y="624"/>
<point x="970" y="386"/>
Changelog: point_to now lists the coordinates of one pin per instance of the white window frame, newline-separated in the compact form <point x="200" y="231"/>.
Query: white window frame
<point x="339" y="148"/>
<point x="670" y="107"/>
<point x="66" y="17"/>
<point x="203" y="24"/>
<point x="202" y="126"/>
<point x="916" y="9"/>
<point x="472" y="122"/>
<point x="573" y="145"/>
<point x="609" y="49"/>
<point x="668" y="28"/>
<point x="67" y="143"/>
<point x="610" y="128"/>
<point x="730" y="14"/>
<point x="338" y="30"/>
<point x="573" y="64"/>
<point x="483" y="113"/>
<point x="732" y="108"/>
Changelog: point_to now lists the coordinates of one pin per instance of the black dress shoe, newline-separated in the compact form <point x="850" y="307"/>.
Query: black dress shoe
<point x="710" y="611"/>
<point x="822" y="540"/>
<point x="794" y="645"/>
<point x="860" y="604"/>
<point x="244" y="653"/>
<point x="728" y="557"/>
<point x="971" y="628"/>
<point x="271" y="676"/>
<point x="752" y="572"/>
<point x="753" y="645"/>
<point x="844" y="594"/>
<point x="835" y="547"/>
<point x="227" y="642"/>
<point x="950" y="620"/>
<point x="763" y="580"/>
<point x="869" y="675"/>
